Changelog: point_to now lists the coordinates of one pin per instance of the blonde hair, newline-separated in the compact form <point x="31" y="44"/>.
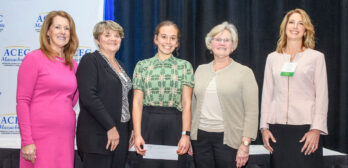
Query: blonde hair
<point x="218" y="29"/>
<point x="69" y="48"/>
<point x="100" y="27"/>
<point x="308" y="39"/>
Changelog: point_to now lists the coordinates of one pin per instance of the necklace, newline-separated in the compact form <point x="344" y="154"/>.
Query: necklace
<point x="60" y="59"/>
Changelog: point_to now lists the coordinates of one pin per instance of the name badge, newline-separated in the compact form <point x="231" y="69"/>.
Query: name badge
<point x="288" y="69"/>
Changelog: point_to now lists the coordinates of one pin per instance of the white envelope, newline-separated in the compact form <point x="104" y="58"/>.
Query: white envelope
<point x="164" y="152"/>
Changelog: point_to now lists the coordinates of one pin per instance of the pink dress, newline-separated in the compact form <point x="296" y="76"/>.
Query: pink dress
<point x="46" y="94"/>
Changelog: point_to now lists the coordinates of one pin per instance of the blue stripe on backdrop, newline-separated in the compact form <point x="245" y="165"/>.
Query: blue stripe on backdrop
<point x="130" y="15"/>
<point x="109" y="6"/>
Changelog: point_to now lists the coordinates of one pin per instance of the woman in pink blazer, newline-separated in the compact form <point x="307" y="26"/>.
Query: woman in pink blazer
<point x="295" y="96"/>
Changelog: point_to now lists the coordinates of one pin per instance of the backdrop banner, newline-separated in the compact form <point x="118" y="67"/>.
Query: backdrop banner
<point x="20" y="24"/>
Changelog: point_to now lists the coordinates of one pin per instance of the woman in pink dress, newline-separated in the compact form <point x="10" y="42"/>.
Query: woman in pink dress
<point x="46" y="95"/>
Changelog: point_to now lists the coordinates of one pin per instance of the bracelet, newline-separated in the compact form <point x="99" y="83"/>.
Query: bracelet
<point x="262" y="129"/>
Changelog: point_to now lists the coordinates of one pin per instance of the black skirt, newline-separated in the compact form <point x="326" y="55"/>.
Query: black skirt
<point x="287" y="150"/>
<point x="162" y="126"/>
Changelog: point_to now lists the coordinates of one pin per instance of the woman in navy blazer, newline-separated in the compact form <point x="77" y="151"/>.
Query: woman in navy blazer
<point x="103" y="123"/>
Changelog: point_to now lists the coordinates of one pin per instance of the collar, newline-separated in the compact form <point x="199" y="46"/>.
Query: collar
<point x="170" y="60"/>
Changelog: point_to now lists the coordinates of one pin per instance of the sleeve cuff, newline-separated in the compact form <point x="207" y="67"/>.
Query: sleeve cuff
<point x="320" y="123"/>
<point x="27" y="142"/>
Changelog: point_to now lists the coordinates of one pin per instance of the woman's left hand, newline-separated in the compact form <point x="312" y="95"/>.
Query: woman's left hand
<point x="311" y="139"/>
<point x="242" y="156"/>
<point x="113" y="139"/>
<point x="183" y="145"/>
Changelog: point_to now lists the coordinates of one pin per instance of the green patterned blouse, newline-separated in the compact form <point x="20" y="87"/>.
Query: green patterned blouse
<point x="162" y="81"/>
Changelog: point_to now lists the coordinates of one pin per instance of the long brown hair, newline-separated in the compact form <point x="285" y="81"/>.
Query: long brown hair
<point x="308" y="39"/>
<point x="69" y="49"/>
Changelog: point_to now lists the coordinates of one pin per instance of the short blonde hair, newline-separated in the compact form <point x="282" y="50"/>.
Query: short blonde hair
<point x="70" y="48"/>
<point x="100" y="27"/>
<point x="308" y="39"/>
<point x="218" y="29"/>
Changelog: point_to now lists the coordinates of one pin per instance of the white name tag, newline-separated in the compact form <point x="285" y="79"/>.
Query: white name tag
<point x="288" y="69"/>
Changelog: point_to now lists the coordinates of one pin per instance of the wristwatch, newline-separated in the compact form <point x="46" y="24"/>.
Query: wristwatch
<point x="185" y="133"/>
<point x="245" y="143"/>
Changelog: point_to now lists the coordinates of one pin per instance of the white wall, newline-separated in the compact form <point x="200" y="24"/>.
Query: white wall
<point x="20" y="22"/>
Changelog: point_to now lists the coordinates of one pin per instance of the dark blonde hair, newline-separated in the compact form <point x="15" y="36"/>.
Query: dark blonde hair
<point x="100" y="27"/>
<point x="69" y="48"/>
<point x="168" y="23"/>
<point x="308" y="38"/>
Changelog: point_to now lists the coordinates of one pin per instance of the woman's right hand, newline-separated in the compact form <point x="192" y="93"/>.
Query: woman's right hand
<point x="29" y="152"/>
<point x="139" y="145"/>
<point x="131" y="140"/>
<point x="266" y="135"/>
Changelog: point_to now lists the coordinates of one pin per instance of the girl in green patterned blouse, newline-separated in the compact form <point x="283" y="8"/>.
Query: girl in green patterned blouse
<point x="163" y="85"/>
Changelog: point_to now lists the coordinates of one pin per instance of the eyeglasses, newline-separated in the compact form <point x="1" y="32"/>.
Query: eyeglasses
<point x="220" y="40"/>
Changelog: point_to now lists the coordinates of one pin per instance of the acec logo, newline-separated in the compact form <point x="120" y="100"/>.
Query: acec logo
<point x="82" y="50"/>
<point x="14" y="55"/>
<point x="39" y="21"/>
<point x="9" y="124"/>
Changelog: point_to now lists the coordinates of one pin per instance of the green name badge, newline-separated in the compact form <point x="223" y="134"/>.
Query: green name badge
<point x="288" y="69"/>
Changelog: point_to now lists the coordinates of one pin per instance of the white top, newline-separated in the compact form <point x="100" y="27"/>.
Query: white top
<point x="211" y="119"/>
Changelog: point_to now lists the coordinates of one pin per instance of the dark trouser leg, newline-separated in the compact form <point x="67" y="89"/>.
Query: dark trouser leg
<point x="203" y="151"/>
<point x="92" y="160"/>
<point x="115" y="160"/>
<point x="210" y="152"/>
<point x="225" y="156"/>
<point x="121" y="153"/>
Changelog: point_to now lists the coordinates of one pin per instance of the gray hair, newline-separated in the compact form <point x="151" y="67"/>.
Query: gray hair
<point x="100" y="27"/>
<point x="218" y="29"/>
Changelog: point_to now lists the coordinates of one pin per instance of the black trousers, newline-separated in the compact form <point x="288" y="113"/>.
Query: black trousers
<point x="162" y="126"/>
<point x="287" y="150"/>
<point x="115" y="160"/>
<point x="210" y="152"/>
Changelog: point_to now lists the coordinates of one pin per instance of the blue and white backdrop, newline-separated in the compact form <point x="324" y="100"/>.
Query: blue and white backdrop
<point x="20" y="24"/>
